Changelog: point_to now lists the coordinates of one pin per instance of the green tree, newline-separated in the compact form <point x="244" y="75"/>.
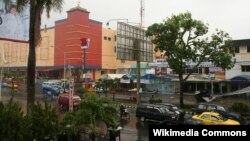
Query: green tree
<point x="183" y="39"/>
<point x="91" y="112"/>
<point x="37" y="7"/>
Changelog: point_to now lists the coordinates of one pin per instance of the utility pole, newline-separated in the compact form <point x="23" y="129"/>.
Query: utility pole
<point x="138" y="61"/>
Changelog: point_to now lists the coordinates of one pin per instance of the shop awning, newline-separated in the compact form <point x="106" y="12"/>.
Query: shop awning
<point x="241" y="79"/>
<point x="111" y="76"/>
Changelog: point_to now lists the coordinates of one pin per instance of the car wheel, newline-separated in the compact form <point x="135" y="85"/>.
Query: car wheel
<point x="1" y="21"/>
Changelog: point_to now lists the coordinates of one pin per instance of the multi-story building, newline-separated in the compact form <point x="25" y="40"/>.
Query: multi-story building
<point x="240" y="73"/>
<point x="60" y="50"/>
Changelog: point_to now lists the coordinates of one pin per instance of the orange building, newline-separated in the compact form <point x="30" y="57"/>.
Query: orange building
<point x="60" y="49"/>
<point x="68" y="52"/>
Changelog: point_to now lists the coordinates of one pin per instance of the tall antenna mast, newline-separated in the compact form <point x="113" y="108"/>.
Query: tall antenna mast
<point x="142" y="12"/>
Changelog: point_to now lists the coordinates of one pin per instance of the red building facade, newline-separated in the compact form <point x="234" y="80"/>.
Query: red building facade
<point x="68" y="34"/>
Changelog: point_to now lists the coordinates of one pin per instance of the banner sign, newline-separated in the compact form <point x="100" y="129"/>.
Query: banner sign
<point x="14" y="25"/>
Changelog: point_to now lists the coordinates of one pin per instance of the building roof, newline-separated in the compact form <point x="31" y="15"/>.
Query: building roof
<point x="241" y="42"/>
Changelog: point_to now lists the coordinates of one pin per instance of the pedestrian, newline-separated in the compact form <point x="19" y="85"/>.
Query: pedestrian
<point x="122" y="109"/>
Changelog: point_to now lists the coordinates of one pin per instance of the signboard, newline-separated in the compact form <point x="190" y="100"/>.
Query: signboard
<point x="71" y="93"/>
<point x="85" y="43"/>
<point x="132" y="44"/>
<point x="14" y="25"/>
<point x="215" y="69"/>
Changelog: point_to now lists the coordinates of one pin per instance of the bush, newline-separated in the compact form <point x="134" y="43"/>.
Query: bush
<point x="12" y="126"/>
<point x="42" y="123"/>
<point x="81" y="91"/>
<point x="240" y="108"/>
<point x="153" y="101"/>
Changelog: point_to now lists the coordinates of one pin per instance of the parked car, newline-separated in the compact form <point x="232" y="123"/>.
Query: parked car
<point x="63" y="100"/>
<point x="3" y="85"/>
<point x="50" y="91"/>
<point x="208" y="107"/>
<point x="155" y="113"/>
<point x="213" y="118"/>
<point x="188" y="120"/>
<point x="173" y="108"/>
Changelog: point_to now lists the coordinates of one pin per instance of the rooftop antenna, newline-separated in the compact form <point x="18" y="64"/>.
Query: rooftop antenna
<point x="78" y="5"/>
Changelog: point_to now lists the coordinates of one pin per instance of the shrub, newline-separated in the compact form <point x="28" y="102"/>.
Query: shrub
<point x="240" y="108"/>
<point x="153" y="101"/>
<point x="81" y="91"/>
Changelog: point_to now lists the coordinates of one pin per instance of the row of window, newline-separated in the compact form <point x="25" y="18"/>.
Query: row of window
<point x="108" y="38"/>
<point x="245" y="68"/>
<point x="237" y="49"/>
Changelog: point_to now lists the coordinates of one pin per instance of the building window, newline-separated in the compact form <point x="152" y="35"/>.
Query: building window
<point x="109" y="38"/>
<point x="115" y="49"/>
<point x="197" y="70"/>
<point x="248" y="48"/>
<point x="105" y="38"/>
<point x="237" y="49"/>
<point x="115" y="38"/>
<point x="245" y="68"/>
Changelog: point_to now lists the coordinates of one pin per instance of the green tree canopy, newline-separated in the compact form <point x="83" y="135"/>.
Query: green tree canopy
<point x="182" y="38"/>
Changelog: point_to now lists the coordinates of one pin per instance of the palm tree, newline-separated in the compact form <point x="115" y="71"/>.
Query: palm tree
<point x="37" y="7"/>
<point x="92" y="111"/>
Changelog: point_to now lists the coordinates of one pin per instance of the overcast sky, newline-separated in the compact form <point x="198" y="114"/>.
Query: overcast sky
<point x="232" y="16"/>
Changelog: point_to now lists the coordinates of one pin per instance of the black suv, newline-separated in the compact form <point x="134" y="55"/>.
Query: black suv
<point x="172" y="108"/>
<point x="157" y="113"/>
<point x="207" y="107"/>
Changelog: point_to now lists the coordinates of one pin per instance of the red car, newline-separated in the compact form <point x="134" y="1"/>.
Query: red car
<point x="63" y="100"/>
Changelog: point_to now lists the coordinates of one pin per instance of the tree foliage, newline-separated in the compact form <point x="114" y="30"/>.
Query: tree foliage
<point x="185" y="39"/>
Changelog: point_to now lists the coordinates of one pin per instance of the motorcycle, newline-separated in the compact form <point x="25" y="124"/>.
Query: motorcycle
<point x="125" y="114"/>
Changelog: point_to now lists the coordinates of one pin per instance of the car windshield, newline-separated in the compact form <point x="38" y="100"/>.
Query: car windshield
<point x="164" y="110"/>
<point x="222" y="118"/>
<point x="175" y="108"/>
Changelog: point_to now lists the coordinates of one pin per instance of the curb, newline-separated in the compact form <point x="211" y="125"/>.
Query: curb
<point x="126" y="106"/>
